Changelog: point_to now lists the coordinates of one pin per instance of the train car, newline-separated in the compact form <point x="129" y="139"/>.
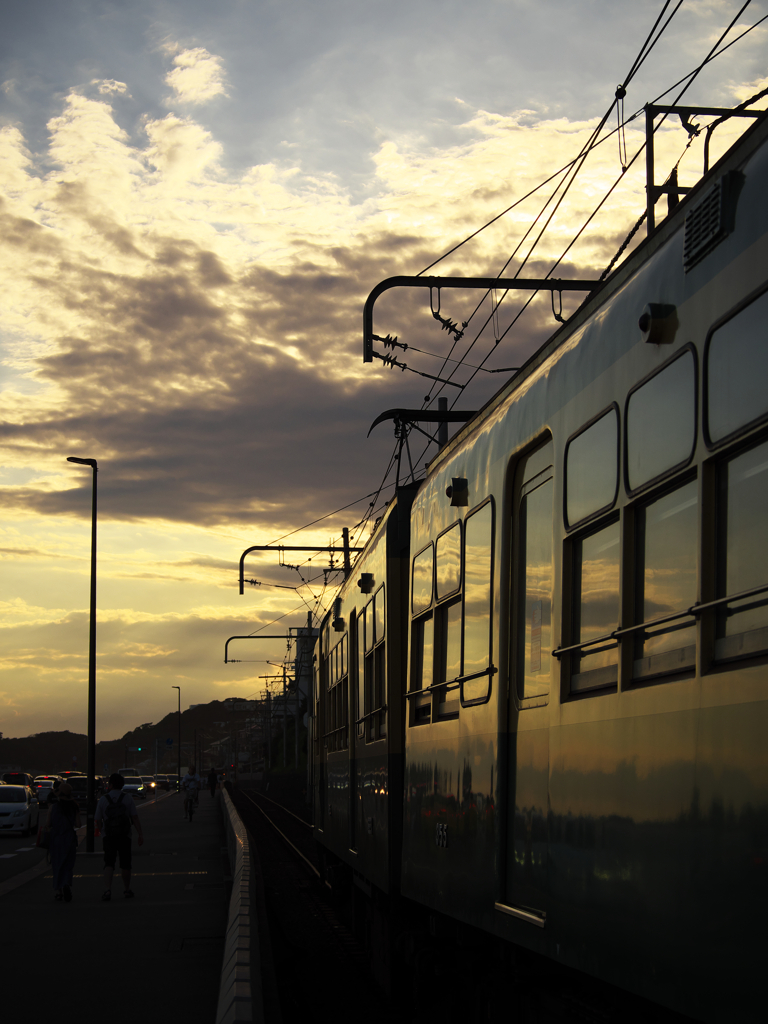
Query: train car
<point x="585" y="705"/>
<point x="358" y="727"/>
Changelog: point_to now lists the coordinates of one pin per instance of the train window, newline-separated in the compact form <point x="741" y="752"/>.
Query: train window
<point x="422" y="655"/>
<point x="448" y="639"/>
<point x="316" y="723"/>
<point x="422" y="581"/>
<point x="742" y="626"/>
<point x="667" y="538"/>
<point x="378" y="614"/>
<point x="592" y="468"/>
<point x="661" y="422"/>
<point x="361" y="620"/>
<point x="535" y="573"/>
<point x="478" y="565"/>
<point x="337" y="730"/>
<point x="737" y="368"/>
<point x="369" y="627"/>
<point x="372" y="672"/>
<point x="380" y="725"/>
<point x="448" y="562"/>
<point x="596" y="574"/>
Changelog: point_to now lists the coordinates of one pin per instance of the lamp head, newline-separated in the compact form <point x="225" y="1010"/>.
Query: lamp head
<point x="82" y="462"/>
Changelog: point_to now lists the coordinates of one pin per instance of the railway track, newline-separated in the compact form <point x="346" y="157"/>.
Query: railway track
<point x="319" y="966"/>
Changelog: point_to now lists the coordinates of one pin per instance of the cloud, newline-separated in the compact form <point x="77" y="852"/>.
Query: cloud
<point x="197" y="330"/>
<point x="109" y="86"/>
<point x="197" y="76"/>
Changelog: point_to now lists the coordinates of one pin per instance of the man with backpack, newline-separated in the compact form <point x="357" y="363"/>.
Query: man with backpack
<point x="115" y="814"/>
<point x="190" y="784"/>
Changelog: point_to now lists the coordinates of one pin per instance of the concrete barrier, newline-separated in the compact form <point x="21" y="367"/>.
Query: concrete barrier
<point x="240" y="993"/>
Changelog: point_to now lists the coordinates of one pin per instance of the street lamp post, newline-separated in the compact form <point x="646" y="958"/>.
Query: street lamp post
<point x="91" y="788"/>
<point x="178" y="752"/>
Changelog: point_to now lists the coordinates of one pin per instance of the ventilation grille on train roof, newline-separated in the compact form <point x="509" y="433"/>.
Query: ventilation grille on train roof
<point x="713" y="217"/>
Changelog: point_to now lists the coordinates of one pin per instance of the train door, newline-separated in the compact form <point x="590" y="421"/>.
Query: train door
<point x="321" y="725"/>
<point x="530" y="663"/>
<point x="354" y="714"/>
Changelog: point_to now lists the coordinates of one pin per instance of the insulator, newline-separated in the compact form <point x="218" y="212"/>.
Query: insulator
<point x="450" y="325"/>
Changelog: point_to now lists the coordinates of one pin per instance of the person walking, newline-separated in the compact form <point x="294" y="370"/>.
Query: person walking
<point x="190" y="784"/>
<point x="63" y="819"/>
<point x="115" y="814"/>
<point x="53" y="793"/>
<point x="212" y="782"/>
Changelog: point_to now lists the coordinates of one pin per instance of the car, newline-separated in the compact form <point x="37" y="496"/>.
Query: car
<point x="149" y="784"/>
<point x="44" y="785"/>
<point x="162" y="782"/>
<point x="79" y="784"/>
<point x="19" y="779"/>
<point x="19" y="809"/>
<point x="134" y="786"/>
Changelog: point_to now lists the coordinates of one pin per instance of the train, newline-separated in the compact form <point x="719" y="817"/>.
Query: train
<point x="540" y="699"/>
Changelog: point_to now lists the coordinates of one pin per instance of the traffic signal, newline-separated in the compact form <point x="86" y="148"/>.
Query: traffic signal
<point x="139" y="749"/>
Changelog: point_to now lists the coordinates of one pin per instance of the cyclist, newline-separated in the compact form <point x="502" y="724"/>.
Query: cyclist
<point x="190" y="785"/>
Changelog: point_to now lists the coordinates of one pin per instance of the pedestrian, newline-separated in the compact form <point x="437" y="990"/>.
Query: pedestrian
<point x="115" y="814"/>
<point x="190" y="784"/>
<point x="63" y="819"/>
<point x="53" y="793"/>
<point x="212" y="782"/>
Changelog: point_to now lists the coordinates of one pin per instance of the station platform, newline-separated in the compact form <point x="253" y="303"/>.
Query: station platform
<point x="164" y="948"/>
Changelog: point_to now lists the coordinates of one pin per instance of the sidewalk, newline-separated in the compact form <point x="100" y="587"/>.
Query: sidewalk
<point x="167" y="943"/>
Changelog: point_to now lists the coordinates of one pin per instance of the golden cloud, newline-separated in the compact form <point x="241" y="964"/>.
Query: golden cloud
<point x="197" y="76"/>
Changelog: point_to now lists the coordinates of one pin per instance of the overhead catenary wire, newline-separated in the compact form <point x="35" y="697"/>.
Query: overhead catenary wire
<point x="566" y="182"/>
<point x="715" y="51"/>
<point x="581" y="230"/>
<point x="689" y="75"/>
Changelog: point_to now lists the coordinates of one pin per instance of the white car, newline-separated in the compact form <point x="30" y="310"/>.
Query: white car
<point x="19" y="810"/>
<point x="134" y="786"/>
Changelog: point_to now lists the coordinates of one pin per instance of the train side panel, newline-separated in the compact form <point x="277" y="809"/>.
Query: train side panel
<point x="608" y="806"/>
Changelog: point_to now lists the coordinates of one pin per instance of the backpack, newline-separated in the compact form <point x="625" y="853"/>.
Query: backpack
<point x="117" y="823"/>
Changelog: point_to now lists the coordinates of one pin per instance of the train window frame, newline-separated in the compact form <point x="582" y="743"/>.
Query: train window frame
<point x="629" y="634"/>
<point x="361" y="620"/>
<point x="335" y="735"/>
<point x="578" y="524"/>
<point x="572" y="601"/>
<point x="316" y="695"/>
<point x="516" y="490"/>
<point x="420" y="703"/>
<point x="422" y="609"/>
<point x="754" y="424"/>
<point x="667" y="474"/>
<point x="438" y="598"/>
<point x="728" y="649"/>
<point x="484" y="699"/>
<point x="371" y="723"/>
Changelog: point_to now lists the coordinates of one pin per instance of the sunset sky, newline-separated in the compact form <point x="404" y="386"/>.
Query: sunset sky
<point x="196" y="199"/>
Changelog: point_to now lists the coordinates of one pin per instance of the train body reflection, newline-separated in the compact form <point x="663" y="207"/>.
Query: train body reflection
<point x="548" y="738"/>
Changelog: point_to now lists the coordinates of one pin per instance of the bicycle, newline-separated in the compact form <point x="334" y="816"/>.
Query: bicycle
<point x="190" y="804"/>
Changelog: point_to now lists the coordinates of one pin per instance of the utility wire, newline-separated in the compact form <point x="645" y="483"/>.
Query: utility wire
<point x="714" y="52"/>
<point x="326" y="516"/>
<point x="566" y="182"/>
<point x="712" y="56"/>
<point x="616" y="182"/>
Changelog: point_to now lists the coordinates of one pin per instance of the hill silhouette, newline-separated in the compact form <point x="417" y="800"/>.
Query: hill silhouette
<point x="51" y="752"/>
